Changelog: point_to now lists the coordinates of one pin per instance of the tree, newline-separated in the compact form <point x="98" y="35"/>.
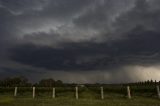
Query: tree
<point x="15" y="81"/>
<point x="58" y="83"/>
<point x="47" y="82"/>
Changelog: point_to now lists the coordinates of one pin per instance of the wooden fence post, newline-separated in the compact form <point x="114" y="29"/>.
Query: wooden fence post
<point x="128" y="92"/>
<point x="158" y="92"/>
<point x="33" y="92"/>
<point x="53" y="93"/>
<point x="102" y="93"/>
<point x="15" y="91"/>
<point x="76" y="92"/>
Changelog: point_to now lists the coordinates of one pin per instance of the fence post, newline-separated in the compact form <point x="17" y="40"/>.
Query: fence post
<point x="15" y="91"/>
<point x="76" y="92"/>
<point x="53" y="93"/>
<point x="128" y="92"/>
<point x="158" y="92"/>
<point x="102" y="93"/>
<point x="33" y="92"/>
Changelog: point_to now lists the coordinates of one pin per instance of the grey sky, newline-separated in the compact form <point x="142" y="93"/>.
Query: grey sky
<point x="83" y="40"/>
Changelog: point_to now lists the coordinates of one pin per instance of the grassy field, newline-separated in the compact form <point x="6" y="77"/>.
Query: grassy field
<point x="136" y="101"/>
<point x="88" y="96"/>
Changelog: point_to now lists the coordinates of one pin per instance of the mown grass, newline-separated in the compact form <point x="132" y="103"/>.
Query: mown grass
<point x="88" y="96"/>
<point x="63" y="101"/>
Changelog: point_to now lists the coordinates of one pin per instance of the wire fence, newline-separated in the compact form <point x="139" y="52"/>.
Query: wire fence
<point x="78" y="92"/>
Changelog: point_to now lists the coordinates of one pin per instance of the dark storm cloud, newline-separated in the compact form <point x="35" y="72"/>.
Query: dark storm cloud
<point x="141" y="15"/>
<point x="103" y="13"/>
<point x="140" y="47"/>
<point x="76" y="35"/>
<point x="62" y="8"/>
<point x="7" y="32"/>
<point x="18" y="7"/>
<point x="18" y="17"/>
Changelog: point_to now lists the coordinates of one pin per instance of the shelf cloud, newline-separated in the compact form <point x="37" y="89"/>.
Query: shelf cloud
<point x="105" y="41"/>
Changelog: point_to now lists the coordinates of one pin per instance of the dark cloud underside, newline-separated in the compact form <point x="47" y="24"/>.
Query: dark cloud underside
<point x="104" y="37"/>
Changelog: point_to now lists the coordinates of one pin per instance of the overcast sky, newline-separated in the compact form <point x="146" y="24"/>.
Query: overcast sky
<point x="84" y="41"/>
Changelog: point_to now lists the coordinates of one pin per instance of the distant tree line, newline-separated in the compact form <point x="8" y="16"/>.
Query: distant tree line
<point x="23" y="82"/>
<point x="50" y="82"/>
<point x="148" y="82"/>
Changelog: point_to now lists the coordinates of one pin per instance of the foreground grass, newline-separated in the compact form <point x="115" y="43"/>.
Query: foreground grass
<point x="65" y="101"/>
<point x="87" y="97"/>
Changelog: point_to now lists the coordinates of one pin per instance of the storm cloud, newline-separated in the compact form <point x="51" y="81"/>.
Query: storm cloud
<point x="105" y="41"/>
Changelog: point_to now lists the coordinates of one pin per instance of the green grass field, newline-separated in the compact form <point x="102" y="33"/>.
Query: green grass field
<point x="136" y="101"/>
<point x="88" y="96"/>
